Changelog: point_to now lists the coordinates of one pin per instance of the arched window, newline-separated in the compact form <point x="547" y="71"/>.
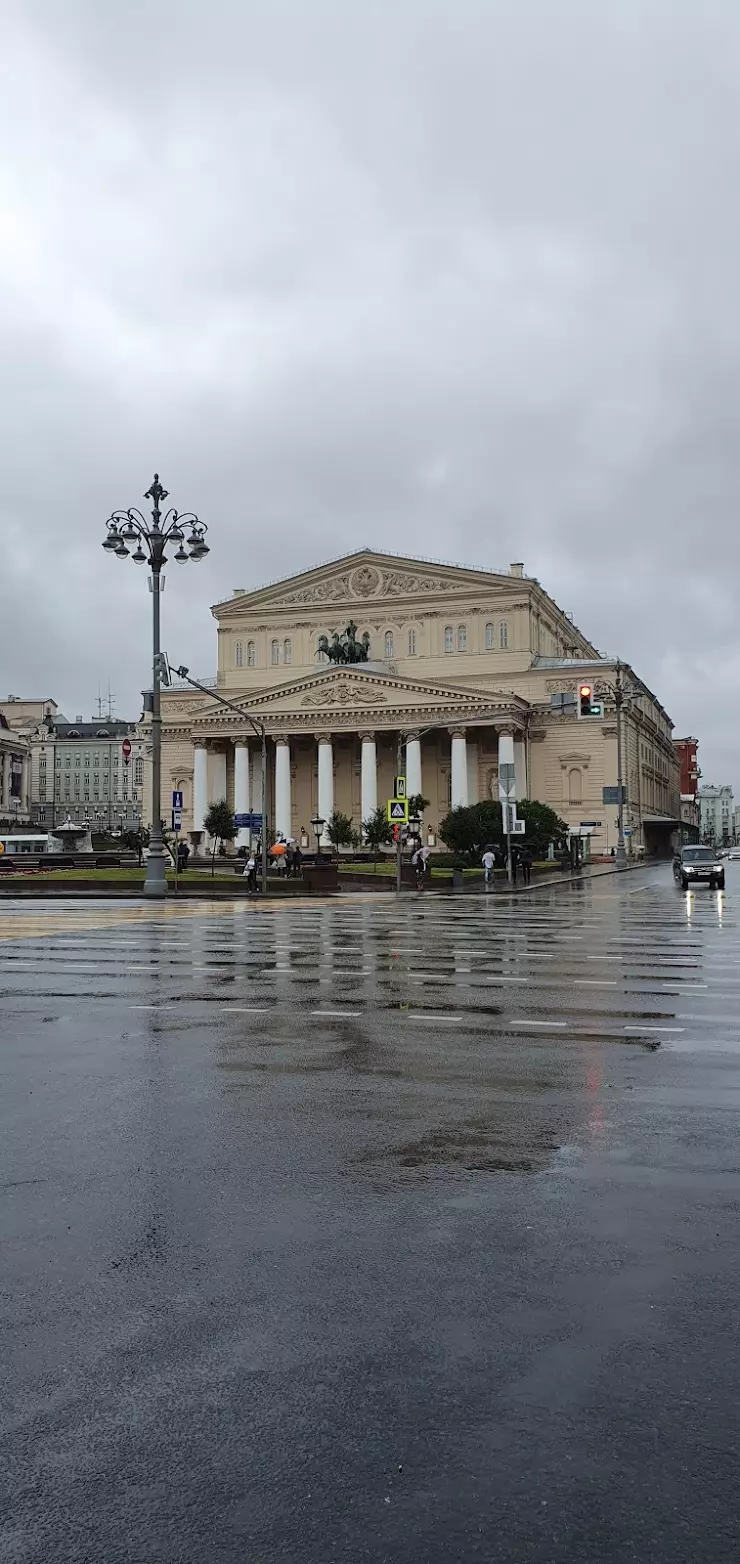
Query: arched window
<point x="503" y="635"/>
<point x="489" y="637"/>
<point x="274" y="653"/>
<point x="462" y="638"/>
<point x="239" y="654"/>
<point x="449" y="639"/>
<point x="389" y="643"/>
<point x="574" y="786"/>
<point x="287" y="650"/>
<point x="412" y="643"/>
<point x="251" y="654"/>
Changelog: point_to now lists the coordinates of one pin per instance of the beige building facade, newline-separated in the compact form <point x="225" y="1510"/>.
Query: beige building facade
<point x="19" y="720"/>
<point x="467" y="669"/>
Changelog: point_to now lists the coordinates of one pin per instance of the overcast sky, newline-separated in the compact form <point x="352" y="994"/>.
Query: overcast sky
<point x="458" y="279"/>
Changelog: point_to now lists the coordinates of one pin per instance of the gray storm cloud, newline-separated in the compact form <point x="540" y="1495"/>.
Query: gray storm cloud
<point x="458" y="281"/>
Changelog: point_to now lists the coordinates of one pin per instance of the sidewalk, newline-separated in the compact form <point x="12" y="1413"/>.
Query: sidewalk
<point x="586" y="872"/>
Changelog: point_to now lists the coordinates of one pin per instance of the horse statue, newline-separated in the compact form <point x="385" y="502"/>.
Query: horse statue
<point x="345" y="648"/>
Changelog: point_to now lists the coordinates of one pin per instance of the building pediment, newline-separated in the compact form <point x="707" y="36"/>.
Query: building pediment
<point x="358" y="696"/>
<point x="359" y="581"/>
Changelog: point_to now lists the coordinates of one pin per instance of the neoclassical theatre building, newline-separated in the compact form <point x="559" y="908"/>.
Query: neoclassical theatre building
<point x="467" y="666"/>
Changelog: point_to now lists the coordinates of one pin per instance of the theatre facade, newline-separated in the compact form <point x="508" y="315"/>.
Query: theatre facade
<point x="465" y="669"/>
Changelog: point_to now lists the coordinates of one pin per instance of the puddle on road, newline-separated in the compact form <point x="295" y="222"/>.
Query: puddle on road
<point x="474" y="1146"/>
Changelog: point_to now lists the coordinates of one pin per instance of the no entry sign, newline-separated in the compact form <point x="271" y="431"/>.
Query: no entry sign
<point x="126" y="750"/>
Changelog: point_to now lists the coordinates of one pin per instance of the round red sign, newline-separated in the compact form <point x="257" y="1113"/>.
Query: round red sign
<point x="126" y="747"/>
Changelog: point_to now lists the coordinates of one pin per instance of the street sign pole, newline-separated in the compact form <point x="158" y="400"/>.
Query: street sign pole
<point x="506" y="792"/>
<point x="400" y="762"/>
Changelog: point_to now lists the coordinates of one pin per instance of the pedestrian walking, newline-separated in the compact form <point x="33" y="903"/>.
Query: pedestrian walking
<point x="297" y="861"/>
<point x="514" y="856"/>
<point x="249" y="873"/>
<point x="526" y="863"/>
<point x="489" y="863"/>
<point x="419" y="861"/>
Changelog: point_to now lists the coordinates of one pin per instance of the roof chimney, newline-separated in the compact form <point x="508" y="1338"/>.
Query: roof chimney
<point x="517" y="570"/>
<point x="79" y="717"/>
<point x="238" y="591"/>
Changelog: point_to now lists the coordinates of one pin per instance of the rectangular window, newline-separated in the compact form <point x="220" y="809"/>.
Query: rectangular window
<point x="412" y="643"/>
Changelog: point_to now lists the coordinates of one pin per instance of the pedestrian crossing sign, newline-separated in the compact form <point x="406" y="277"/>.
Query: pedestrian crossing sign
<point x="400" y="787"/>
<point x="397" y="811"/>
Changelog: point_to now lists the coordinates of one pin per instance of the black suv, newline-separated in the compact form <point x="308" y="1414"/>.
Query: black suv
<point x="692" y="865"/>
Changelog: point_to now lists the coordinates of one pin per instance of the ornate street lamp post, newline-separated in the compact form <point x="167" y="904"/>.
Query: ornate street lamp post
<point x="130" y="527"/>
<point x="317" y="826"/>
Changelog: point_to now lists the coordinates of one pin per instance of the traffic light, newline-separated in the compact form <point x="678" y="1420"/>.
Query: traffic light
<point x="587" y="707"/>
<point x="163" y="668"/>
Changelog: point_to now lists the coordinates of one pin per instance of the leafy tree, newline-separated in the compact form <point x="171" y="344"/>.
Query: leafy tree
<point x="543" y="825"/>
<point x="220" y="825"/>
<point x="339" y="829"/>
<point x="378" y="832"/>
<point x="417" y="804"/>
<point x="467" y="832"/>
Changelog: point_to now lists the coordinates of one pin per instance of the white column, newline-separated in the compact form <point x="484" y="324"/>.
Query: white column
<point x="326" y="781"/>
<point x="283" y="807"/>
<point x="241" y="790"/>
<point x="520" y="768"/>
<point x="217" y="776"/>
<point x="200" y="785"/>
<point x="473" y="773"/>
<point x="256" y="780"/>
<point x="459" y="770"/>
<point x="413" y="766"/>
<point x="369" y="777"/>
<point x="5" y="771"/>
<point x="25" y="783"/>
<point x="506" y="754"/>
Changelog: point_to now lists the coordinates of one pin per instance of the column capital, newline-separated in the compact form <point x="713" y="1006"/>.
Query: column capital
<point x="413" y="736"/>
<point x="240" y="743"/>
<point x="200" y="744"/>
<point x="458" y="733"/>
<point x="282" y="738"/>
<point x="323" y="738"/>
<point x="367" y="735"/>
<point x="507" y="731"/>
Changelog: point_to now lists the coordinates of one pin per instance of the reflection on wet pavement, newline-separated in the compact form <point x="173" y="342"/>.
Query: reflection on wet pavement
<point x="372" y="1230"/>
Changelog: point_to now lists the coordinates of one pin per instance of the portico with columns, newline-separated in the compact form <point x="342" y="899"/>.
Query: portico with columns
<point x="451" y="744"/>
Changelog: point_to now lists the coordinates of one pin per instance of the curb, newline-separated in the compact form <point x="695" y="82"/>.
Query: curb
<point x="577" y="879"/>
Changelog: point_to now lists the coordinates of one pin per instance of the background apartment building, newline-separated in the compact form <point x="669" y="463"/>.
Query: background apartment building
<point x="77" y="768"/>
<point x="717" y="814"/>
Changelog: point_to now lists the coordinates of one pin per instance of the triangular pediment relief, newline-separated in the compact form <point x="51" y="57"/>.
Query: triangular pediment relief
<point x="362" y="580"/>
<point x="340" y="694"/>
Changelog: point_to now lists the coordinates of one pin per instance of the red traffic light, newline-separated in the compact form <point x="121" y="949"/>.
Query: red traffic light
<point x="585" y="707"/>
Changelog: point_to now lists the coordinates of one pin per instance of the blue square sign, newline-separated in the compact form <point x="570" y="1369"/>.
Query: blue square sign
<point x="177" y="800"/>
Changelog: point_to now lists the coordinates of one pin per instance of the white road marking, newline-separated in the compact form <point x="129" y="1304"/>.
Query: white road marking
<point x="426" y="1015"/>
<point x="642" y="1029"/>
<point x="336" y="1012"/>
<point x="245" y="1010"/>
<point x="594" y="982"/>
<point x="539" y="1023"/>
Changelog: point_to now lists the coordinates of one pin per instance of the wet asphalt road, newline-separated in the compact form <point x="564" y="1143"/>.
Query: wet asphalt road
<point x="372" y="1232"/>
